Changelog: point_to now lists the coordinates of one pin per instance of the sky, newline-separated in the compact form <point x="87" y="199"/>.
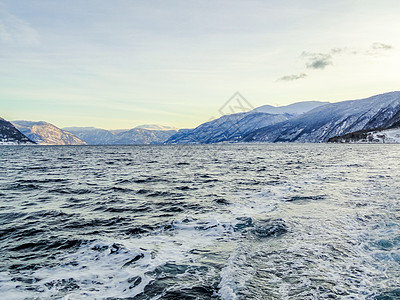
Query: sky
<point x="122" y="63"/>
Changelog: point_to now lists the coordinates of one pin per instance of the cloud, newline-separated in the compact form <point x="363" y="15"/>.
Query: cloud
<point x="338" y="50"/>
<point x="322" y="60"/>
<point x="293" y="77"/>
<point x="317" y="60"/>
<point x="378" y="48"/>
<point x="319" y="63"/>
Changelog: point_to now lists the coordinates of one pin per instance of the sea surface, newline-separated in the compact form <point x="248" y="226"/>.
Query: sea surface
<point x="266" y="221"/>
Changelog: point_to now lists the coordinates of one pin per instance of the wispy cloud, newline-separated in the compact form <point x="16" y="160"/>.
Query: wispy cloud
<point x="322" y="60"/>
<point x="14" y="30"/>
<point x="383" y="46"/>
<point x="293" y="77"/>
<point x="317" y="60"/>
<point x="378" y="49"/>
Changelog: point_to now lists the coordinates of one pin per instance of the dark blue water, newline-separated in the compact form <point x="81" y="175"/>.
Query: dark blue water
<point x="200" y="222"/>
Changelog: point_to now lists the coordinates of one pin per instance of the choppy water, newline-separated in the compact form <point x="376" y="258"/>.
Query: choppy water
<point x="200" y="222"/>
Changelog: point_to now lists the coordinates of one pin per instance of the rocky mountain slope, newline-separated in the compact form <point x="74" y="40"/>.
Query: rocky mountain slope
<point x="378" y="135"/>
<point x="135" y="136"/>
<point x="226" y="128"/>
<point x="92" y="135"/>
<point x="142" y="136"/>
<point x="232" y="128"/>
<point x="9" y="135"/>
<point x="44" y="133"/>
<point x="334" y="119"/>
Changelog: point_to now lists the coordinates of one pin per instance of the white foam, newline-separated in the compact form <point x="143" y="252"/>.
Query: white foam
<point x="234" y="275"/>
<point x="102" y="274"/>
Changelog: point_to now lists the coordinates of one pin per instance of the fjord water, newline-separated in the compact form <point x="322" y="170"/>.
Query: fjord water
<point x="267" y="221"/>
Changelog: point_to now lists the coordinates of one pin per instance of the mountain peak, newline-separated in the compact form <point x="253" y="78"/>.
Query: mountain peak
<point x="156" y="127"/>
<point x="45" y="133"/>
<point x="293" y="109"/>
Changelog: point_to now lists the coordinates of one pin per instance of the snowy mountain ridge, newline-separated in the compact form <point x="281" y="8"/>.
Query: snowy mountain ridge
<point x="156" y="127"/>
<point x="44" y="133"/>
<point x="293" y="109"/>
<point x="134" y="136"/>
<point x="226" y="128"/>
<point x="304" y="122"/>
<point x="233" y="127"/>
<point x="334" y="119"/>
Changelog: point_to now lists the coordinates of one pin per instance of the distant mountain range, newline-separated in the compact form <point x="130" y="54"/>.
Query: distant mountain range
<point x="134" y="136"/>
<point x="43" y="133"/>
<point x="374" y="119"/>
<point x="156" y="127"/>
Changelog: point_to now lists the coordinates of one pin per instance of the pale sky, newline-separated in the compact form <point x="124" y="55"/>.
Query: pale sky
<point x="122" y="63"/>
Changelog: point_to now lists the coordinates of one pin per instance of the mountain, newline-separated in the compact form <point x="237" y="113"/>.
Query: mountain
<point x="135" y="136"/>
<point x="333" y="119"/>
<point x="139" y="136"/>
<point x="145" y="126"/>
<point x="92" y="135"/>
<point x="44" y="133"/>
<point x="231" y="128"/>
<point x="293" y="109"/>
<point x="9" y="135"/>
<point x="226" y="128"/>
<point x="156" y="127"/>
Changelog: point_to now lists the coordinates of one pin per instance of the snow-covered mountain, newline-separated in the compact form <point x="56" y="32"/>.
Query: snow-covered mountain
<point x="226" y="128"/>
<point x="44" y="133"/>
<point x="142" y="136"/>
<point x="135" y="136"/>
<point x="92" y="135"/>
<point x="156" y="127"/>
<point x="293" y="109"/>
<point x="9" y="135"/>
<point x="334" y="119"/>
<point x="231" y="128"/>
<point x="372" y="119"/>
